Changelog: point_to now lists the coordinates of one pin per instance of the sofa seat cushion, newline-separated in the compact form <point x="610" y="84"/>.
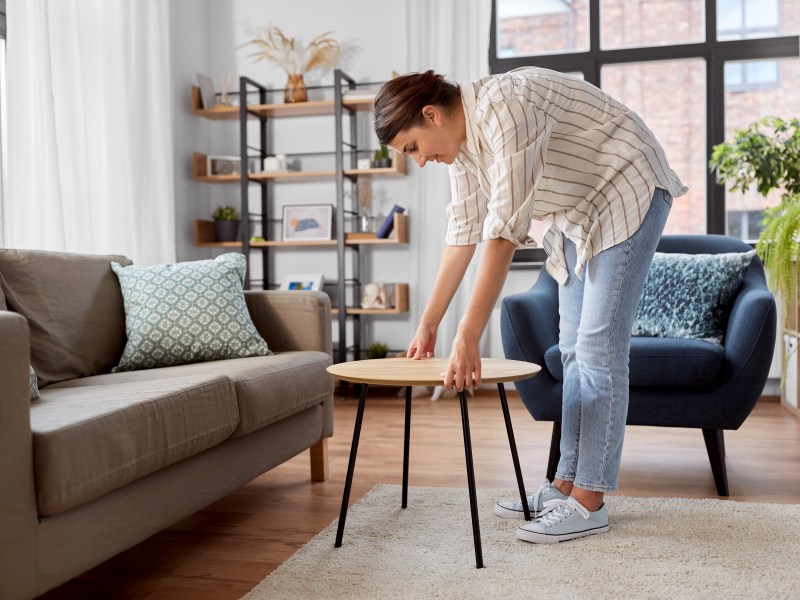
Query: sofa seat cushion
<point x="666" y="362"/>
<point x="268" y="388"/>
<point x="89" y="440"/>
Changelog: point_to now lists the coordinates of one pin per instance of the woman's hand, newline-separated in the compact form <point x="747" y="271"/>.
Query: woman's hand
<point x="424" y="342"/>
<point x="464" y="368"/>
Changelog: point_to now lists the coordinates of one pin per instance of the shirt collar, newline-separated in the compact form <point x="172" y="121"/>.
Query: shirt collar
<point x="468" y="100"/>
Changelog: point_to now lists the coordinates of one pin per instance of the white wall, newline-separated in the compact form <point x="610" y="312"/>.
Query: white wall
<point x="205" y="39"/>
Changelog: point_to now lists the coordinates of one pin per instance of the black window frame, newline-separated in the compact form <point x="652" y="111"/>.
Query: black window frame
<point x="715" y="53"/>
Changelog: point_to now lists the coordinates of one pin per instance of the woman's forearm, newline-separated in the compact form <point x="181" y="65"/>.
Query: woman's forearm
<point x="495" y="261"/>
<point x="452" y="267"/>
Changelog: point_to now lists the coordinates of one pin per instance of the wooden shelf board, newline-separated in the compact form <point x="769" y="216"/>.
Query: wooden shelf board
<point x="293" y="176"/>
<point x="370" y="311"/>
<point x="298" y="109"/>
<point x="218" y="244"/>
<point x="375" y="242"/>
<point x="272" y="244"/>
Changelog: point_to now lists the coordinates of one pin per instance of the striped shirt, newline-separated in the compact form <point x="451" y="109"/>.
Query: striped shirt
<point x="543" y="145"/>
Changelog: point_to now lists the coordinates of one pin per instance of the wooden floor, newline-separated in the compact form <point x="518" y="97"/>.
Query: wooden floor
<point x="223" y="551"/>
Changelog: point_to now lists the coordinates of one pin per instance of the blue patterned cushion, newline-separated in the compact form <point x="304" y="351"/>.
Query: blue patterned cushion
<point x="33" y="383"/>
<point x="688" y="295"/>
<point x="186" y="312"/>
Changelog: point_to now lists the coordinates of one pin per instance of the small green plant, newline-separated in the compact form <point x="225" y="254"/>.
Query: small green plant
<point x="767" y="154"/>
<point x="377" y="350"/>
<point x="225" y="213"/>
<point x="382" y="153"/>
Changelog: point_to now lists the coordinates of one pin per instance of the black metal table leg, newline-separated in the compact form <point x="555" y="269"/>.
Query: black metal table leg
<point x="405" y="445"/>
<point x="473" y="498"/>
<point x="514" y="456"/>
<point x="348" y="482"/>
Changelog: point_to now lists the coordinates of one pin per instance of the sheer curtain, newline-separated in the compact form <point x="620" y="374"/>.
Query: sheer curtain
<point x="90" y="136"/>
<point x="451" y="37"/>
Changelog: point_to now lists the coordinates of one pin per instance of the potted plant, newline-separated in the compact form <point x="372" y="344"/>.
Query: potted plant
<point x="294" y="58"/>
<point x="226" y="223"/>
<point x="377" y="350"/>
<point x="381" y="158"/>
<point x="767" y="154"/>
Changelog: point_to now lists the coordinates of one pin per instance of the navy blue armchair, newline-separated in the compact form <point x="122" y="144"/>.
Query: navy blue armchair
<point x="673" y="382"/>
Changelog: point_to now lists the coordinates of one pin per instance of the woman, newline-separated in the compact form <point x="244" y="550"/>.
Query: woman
<point x="537" y="144"/>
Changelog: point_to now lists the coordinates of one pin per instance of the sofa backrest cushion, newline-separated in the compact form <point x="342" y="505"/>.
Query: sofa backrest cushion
<point x="74" y="309"/>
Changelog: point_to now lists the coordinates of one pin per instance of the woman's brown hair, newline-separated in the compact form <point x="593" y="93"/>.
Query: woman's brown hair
<point x="399" y="103"/>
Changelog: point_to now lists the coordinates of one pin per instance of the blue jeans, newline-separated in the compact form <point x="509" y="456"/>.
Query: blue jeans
<point x="596" y="314"/>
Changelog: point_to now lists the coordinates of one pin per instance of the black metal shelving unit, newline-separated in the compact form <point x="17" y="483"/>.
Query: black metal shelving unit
<point x="346" y="154"/>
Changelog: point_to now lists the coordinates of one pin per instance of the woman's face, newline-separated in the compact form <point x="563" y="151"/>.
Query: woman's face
<point x="439" y="139"/>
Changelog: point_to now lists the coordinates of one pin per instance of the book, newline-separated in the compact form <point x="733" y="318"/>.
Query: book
<point x="388" y="224"/>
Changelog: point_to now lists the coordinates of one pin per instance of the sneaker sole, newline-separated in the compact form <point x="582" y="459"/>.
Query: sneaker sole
<point x="508" y="513"/>
<point x="544" y="538"/>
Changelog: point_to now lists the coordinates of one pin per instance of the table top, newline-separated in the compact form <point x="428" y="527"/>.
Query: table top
<point x="426" y="371"/>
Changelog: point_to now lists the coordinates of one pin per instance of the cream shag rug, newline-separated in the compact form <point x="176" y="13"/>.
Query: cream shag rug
<point x="656" y="548"/>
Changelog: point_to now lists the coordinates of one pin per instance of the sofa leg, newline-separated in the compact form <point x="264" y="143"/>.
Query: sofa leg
<point x="319" y="460"/>
<point x="555" y="451"/>
<point x="715" y="445"/>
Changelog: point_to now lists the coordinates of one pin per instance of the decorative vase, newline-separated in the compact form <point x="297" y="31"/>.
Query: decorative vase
<point x="226" y="231"/>
<point x="295" y="89"/>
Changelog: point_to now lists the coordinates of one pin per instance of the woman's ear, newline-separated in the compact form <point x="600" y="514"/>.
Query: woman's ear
<point x="432" y="115"/>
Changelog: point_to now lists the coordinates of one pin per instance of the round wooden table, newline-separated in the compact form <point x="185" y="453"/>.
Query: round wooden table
<point x="429" y="371"/>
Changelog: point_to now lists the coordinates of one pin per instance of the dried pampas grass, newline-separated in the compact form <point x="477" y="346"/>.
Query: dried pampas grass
<point x="290" y="55"/>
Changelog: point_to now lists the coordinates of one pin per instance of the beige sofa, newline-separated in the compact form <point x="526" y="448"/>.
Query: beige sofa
<point x="102" y="461"/>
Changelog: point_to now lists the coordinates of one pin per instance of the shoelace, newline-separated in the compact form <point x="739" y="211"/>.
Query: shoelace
<point x="544" y="485"/>
<point x="558" y="509"/>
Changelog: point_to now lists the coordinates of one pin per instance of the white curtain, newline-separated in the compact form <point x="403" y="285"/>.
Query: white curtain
<point x="90" y="135"/>
<point x="452" y="38"/>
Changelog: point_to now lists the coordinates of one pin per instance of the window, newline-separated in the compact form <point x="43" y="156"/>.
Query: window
<point x="540" y="27"/>
<point x="747" y="19"/>
<point x="694" y="70"/>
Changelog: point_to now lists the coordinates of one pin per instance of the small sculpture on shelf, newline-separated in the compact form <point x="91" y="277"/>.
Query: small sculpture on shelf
<point x="294" y="58"/>
<point x="226" y="223"/>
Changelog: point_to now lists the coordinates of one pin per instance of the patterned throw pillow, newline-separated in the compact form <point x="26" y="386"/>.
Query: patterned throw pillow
<point x="33" y="383"/>
<point x="688" y="295"/>
<point x="186" y="312"/>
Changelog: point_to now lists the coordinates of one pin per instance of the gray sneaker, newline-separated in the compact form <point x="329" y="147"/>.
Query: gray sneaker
<point x="512" y="509"/>
<point x="563" y="520"/>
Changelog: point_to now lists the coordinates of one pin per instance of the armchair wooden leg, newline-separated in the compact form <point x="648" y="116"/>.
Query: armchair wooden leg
<point x="715" y="445"/>
<point x="319" y="460"/>
<point x="555" y="451"/>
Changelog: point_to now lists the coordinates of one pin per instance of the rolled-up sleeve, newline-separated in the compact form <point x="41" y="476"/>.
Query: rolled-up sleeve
<point x="467" y="207"/>
<point x="516" y="135"/>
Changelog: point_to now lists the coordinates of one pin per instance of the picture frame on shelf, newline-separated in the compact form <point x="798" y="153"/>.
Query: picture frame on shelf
<point x="207" y="94"/>
<point x="307" y="222"/>
<point x="305" y="282"/>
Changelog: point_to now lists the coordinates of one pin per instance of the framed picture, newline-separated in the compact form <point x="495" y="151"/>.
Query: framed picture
<point x="308" y="222"/>
<point x="304" y="281"/>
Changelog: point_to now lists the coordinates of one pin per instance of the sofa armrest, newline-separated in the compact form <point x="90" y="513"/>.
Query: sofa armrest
<point x="292" y="320"/>
<point x="18" y="518"/>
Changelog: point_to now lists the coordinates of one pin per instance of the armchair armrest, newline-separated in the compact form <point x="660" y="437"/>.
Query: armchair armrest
<point x="18" y="518"/>
<point x="292" y="320"/>
<point x="749" y="345"/>
<point x="530" y="322"/>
